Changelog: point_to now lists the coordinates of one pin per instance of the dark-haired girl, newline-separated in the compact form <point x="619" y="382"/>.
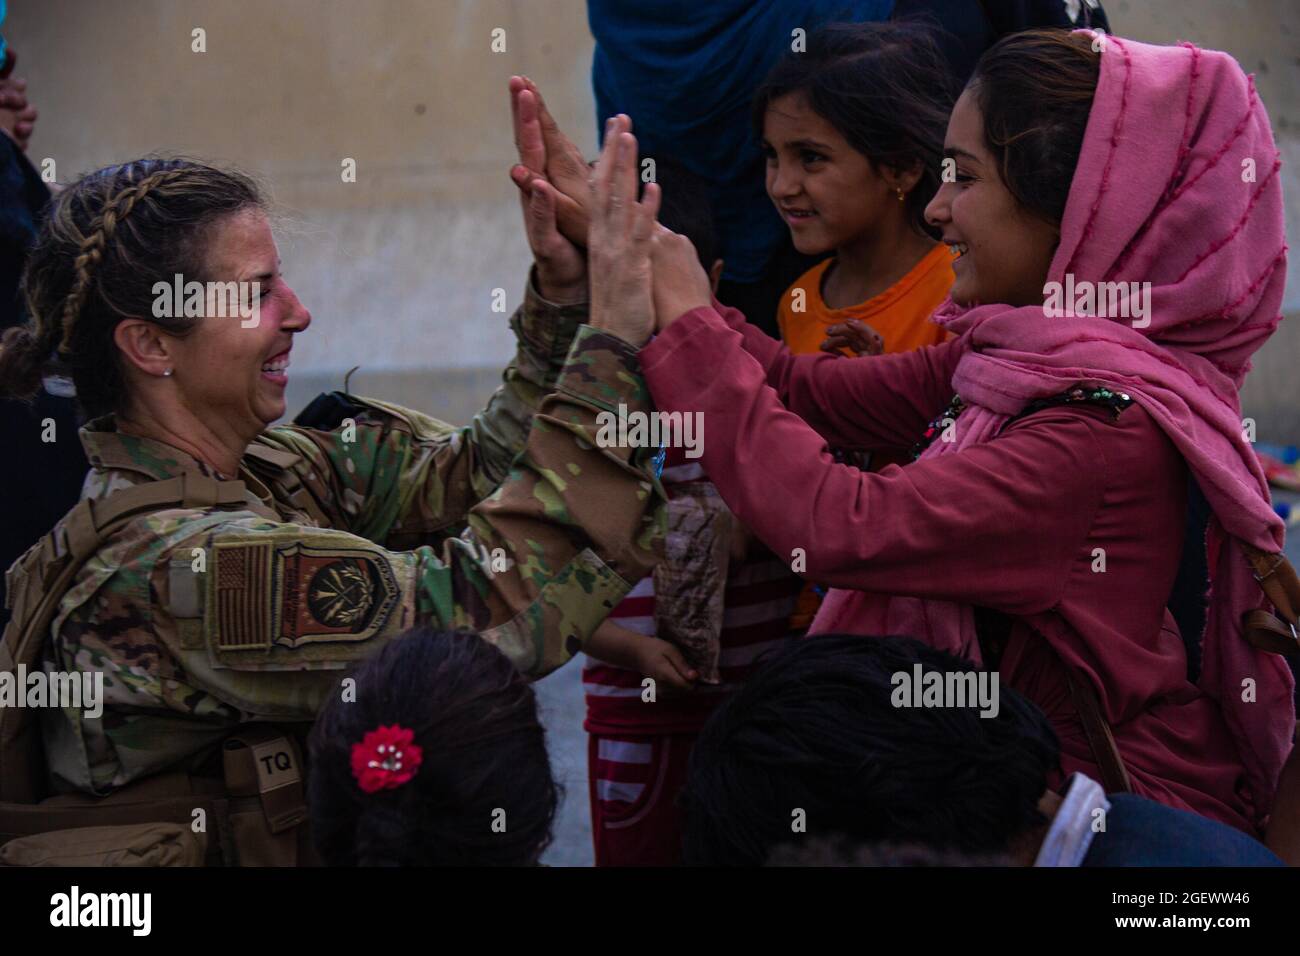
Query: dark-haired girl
<point x="853" y="131"/>
<point x="434" y="756"/>
<point x="1044" y="539"/>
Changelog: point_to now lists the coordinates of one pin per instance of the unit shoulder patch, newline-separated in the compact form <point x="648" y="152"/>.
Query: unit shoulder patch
<point x="272" y="592"/>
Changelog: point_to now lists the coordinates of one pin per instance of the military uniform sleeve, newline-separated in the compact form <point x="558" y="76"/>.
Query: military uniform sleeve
<point x="280" y="608"/>
<point x="545" y="332"/>
<point x="392" y="471"/>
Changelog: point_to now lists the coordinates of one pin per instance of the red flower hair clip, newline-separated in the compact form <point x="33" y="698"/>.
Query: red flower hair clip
<point x="385" y="758"/>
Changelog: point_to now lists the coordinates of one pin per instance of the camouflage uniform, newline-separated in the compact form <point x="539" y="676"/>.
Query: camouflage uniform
<point x="204" y="619"/>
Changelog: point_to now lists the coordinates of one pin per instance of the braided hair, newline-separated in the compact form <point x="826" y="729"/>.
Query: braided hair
<point x="106" y="241"/>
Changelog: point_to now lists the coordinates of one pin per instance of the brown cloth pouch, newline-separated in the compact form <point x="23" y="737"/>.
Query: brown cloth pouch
<point x="133" y="844"/>
<point x="691" y="580"/>
<point x="264" y="777"/>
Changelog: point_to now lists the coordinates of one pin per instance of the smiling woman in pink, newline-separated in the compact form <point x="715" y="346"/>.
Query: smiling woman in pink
<point x="1041" y="529"/>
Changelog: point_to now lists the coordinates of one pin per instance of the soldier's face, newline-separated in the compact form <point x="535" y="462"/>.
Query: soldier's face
<point x="232" y="369"/>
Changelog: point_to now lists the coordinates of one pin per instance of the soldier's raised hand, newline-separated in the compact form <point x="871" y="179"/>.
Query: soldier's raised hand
<point x="546" y="153"/>
<point x="619" y="241"/>
<point x="561" y="266"/>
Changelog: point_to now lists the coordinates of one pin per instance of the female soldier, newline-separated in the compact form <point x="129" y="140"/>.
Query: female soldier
<point x="229" y="606"/>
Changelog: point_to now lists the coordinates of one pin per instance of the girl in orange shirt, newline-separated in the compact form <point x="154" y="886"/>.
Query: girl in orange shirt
<point x="853" y="134"/>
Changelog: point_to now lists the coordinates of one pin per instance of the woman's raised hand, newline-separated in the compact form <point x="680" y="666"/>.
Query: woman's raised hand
<point x="546" y="153"/>
<point x="17" y="115"/>
<point x="680" y="282"/>
<point x="620" y="239"/>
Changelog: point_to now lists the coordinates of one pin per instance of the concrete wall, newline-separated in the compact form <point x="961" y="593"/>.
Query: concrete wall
<point x="399" y="267"/>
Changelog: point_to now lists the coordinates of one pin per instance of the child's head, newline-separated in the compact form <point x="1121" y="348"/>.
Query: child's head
<point x="851" y="125"/>
<point x="818" y="727"/>
<point x="481" y="791"/>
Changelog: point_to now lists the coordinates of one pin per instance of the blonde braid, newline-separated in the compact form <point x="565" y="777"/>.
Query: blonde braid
<point x="93" y="244"/>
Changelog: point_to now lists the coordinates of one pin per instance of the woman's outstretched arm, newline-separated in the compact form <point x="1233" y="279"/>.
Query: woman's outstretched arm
<point x="998" y="525"/>
<point x="870" y="402"/>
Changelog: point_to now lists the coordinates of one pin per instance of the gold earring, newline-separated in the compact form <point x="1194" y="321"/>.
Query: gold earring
<point x="901" y="197"/>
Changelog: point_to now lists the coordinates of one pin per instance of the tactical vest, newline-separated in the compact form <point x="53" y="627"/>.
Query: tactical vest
<point x="253" y="813"/>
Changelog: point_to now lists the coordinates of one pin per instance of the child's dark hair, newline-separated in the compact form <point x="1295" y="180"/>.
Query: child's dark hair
<point x="686" y="208"/>
<point x="1035" y="90"/>
<point x="484" y="751"/>
<point x="814" y="728"/>
<point x="885" y="87"/>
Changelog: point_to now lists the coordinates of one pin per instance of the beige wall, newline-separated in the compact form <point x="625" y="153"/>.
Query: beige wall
<point x="399" y="267"/>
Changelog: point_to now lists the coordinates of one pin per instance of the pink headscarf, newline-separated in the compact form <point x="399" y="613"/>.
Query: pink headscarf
<point x="1163" y="193"/>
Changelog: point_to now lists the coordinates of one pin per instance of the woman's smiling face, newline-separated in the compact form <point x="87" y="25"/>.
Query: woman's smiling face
<point x="229" y="368"/>
<point x="1004" y="251"/>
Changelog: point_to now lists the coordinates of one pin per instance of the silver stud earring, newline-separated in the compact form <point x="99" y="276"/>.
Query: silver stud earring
<point x="167" y="373"/>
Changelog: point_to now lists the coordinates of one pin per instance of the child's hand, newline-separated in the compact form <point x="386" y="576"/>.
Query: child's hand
<point x="853" y="334"/>
<point x="619" y="243"/>
<point x="680" y="282"/>
<point x="661" y="661"/>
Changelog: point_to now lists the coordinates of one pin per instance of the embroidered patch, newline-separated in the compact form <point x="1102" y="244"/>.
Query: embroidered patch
<point x="340" y="593"/>
<point x="241" y="607"/>
<point x="333" y="594"/>
<point x="289" y="594"/>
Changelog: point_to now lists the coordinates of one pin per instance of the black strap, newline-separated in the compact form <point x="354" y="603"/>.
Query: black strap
<point x="327" y="410"/>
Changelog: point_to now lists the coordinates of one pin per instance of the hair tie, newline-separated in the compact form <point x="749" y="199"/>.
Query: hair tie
<point x="385" y="758"/>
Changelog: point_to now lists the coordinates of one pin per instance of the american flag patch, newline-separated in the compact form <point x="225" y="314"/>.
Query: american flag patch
<point x="241" y="607"/>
